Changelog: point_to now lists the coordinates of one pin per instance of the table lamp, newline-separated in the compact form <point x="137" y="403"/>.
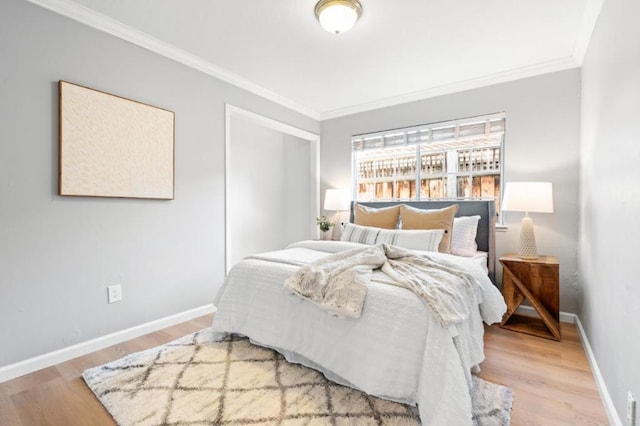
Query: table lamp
<point x="338" y="200"/>
<point x="528" y="197"/>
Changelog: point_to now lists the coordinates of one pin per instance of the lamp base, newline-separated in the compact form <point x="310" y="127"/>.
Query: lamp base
<point x="339" y="222"/>
<point x="528" y="248"/>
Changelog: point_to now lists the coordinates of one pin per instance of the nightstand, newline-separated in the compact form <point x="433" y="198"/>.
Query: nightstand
<point x="536" y="280"/>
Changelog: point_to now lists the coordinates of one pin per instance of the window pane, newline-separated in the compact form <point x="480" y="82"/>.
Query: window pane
<point x="464" y="187"/>
<point x="432" y="163"/>
<point x="406" y="189"/>
<point x="384" y="191"/>
<point x="433" y="188"/>
<point x="386" y="173"/>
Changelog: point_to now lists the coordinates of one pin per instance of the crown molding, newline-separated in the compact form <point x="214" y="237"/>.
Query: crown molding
<point x="587" y="25"/>
<point x="115" y="28"/>
<point x="474" y="83"/>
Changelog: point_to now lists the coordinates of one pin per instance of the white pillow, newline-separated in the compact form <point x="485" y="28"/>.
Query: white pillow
<point x="359" y="234"/>
<point x="463" y="235"/>
<point x="412" y="239"/>
<point x="415" y="239"/>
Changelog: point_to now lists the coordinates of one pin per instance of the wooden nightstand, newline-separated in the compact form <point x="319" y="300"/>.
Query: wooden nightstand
<point x="538" y="281"/>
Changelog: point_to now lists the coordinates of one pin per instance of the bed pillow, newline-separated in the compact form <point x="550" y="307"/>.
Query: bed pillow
<point x="419" y="239"/>
<point x="413" y="218"/>
<point x="386" y="217"/>
<point x="463" y="235"/>
<point x="359" y="234"/>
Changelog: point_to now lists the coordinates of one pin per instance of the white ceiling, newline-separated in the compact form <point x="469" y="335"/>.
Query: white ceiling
<point x="398" y="51"/>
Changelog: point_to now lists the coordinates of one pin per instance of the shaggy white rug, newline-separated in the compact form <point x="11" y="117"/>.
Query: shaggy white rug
<point x="193" y="381"/>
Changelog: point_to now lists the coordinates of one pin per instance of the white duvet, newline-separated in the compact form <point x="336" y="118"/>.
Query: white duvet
<point x="396" y="350"/>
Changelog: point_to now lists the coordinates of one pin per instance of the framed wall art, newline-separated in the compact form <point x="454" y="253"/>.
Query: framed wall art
<point x="110" y="146"/>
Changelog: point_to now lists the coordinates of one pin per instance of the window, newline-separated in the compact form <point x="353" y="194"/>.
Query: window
<point x="460" y="159"/>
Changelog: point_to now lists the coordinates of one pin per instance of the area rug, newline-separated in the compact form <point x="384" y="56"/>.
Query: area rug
<point x="193" y="381"/>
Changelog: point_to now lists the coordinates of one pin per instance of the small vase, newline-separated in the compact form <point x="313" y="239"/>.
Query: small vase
<point x="326" y="235"/>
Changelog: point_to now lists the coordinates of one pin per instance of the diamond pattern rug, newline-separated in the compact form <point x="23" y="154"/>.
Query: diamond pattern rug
<point x="193" y="381"/>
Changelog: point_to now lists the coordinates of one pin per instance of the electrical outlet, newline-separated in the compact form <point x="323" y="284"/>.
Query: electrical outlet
<point x="631" y="410"/>
<point x="114" y="293"/>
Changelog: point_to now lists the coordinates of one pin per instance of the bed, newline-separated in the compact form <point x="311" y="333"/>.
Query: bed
<point x="396" y="349"/>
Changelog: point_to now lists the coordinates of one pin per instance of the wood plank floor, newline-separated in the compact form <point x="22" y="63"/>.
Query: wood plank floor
<point x="552" y="381"/>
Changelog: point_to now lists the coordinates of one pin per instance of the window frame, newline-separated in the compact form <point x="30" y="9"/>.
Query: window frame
<point x="494" y="125"/>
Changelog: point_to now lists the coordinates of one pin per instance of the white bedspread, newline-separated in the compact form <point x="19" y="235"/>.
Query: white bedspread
<point x="396" y="350"/>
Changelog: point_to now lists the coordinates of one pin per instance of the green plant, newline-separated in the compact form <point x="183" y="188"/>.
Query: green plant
<point x="323" y="223"/>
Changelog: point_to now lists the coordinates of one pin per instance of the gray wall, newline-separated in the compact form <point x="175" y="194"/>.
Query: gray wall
<point x="297" y="183"/>
<point x="542" y="143"/>
<point x="58" y="254"/>
<point x="610" y="199"/>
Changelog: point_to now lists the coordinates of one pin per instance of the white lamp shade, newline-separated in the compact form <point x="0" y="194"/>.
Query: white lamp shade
<point x="337" y="199"/>
<point x="534" y="197"/>
<point x="338" y="16"/>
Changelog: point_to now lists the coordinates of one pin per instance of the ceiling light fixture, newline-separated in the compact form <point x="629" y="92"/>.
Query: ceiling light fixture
<point x="338" y="16"/>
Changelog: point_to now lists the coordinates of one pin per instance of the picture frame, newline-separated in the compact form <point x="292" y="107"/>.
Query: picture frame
<point x="110" y="146"/>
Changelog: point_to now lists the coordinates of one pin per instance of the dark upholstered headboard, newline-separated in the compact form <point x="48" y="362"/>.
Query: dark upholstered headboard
<point x="484" y="208"/>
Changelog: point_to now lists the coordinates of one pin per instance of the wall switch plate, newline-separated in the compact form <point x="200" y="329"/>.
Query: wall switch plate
<point x="114" y="293"/>
<point x="631" y="410"/>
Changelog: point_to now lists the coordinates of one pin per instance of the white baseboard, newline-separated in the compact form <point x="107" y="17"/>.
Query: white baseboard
<point x="39" y="362"/>
<point x="609" y="408"/>
<point x="528" y="311"/>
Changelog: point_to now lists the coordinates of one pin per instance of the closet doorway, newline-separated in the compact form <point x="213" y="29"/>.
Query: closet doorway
<point x="272" y="193"/>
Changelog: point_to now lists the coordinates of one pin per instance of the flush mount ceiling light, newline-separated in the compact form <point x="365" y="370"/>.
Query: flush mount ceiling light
<point x="338" y="16"/>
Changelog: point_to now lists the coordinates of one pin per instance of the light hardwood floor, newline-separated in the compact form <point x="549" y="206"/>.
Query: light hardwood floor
<point x="552" y="381"/>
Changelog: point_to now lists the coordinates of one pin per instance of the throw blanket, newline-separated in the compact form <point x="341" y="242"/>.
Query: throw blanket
<point x="338" y="282"/>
